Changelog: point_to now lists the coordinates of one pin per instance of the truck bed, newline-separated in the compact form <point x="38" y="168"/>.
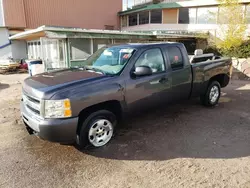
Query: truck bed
<point x="204" y="71"/>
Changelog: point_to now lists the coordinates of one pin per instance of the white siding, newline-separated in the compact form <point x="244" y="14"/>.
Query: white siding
<point x="1" y="14"/>
<point x="19" y="49"/>
<point x="5" y="52"/>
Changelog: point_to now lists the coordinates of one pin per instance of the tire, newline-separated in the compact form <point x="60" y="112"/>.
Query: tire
<point x="212" y="95"/>
<point x="97" y="129"/>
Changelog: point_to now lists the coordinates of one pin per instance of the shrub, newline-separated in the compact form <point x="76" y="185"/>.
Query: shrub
<point x="242" y="51"/>
<point x="212" y="49"/>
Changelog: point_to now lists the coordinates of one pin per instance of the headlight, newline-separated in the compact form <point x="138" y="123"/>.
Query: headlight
<point x="57" y="108"/>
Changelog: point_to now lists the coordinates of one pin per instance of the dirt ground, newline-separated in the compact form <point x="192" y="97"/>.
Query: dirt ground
<point x="184" y="145"/>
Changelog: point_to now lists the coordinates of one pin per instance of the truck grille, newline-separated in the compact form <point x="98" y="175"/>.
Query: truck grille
<point x="32" y="105"/>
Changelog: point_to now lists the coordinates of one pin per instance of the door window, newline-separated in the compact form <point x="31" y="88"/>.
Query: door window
<point x="152" y="58"/>
<point x="175" y="57"/>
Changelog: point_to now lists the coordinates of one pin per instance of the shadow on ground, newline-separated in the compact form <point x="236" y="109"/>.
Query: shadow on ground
<point x="4" y="86"/>
<point x="186" y="130"/>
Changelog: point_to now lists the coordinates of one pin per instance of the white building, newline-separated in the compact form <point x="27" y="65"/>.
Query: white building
<point x="176" y="16"/>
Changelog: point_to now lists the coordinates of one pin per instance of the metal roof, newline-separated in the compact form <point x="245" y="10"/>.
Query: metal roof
<point x="65" y="32"/>
<point x="142" y="45"/>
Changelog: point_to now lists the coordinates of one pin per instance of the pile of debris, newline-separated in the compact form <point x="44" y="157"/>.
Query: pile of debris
<point x="10" y="66"/>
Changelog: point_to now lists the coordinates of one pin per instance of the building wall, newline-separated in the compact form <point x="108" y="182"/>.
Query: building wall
<point x="94" y="14"/>
<point x="5" y="52"/>
<point x="170" y="16"/>
<point x="172" y="27"/>
<point x="14" y="13"/>
<point x="19" y="49"/>
<point x="1" y="14"/>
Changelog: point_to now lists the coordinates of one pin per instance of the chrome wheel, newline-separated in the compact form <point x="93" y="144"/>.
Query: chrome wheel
<point x="214" y="94"/>
<point x="100" y="132"/>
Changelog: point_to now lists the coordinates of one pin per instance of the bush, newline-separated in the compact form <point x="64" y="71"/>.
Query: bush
<point x="212" y="49"/>
<point x="243" y="51"/>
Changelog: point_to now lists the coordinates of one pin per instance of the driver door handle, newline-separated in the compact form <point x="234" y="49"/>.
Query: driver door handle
<point x="163" y="80"/>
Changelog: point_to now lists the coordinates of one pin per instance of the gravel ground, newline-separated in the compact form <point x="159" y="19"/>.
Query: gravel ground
<point x="184" y="145"/>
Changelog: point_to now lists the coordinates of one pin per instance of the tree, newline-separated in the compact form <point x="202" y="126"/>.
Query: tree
<point x="232" y="25"/>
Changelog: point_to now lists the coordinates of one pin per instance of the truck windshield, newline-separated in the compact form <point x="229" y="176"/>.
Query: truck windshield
<point x="110" y="61"/>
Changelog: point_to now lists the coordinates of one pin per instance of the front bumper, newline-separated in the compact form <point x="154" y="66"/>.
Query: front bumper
<point x="54" y="130"/>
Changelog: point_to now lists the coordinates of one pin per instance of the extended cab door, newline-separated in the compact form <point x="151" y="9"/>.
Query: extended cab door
<point x="147" y="91"/>
<point x="181" y="71"/>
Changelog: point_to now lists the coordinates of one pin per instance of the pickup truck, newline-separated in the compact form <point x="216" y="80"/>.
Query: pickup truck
<point x="84" y="104"/>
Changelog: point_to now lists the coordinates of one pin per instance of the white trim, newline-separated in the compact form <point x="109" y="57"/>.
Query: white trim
<point x="149" y="14"/>
<point x="162" y="16"/>
<point x="138" y="19"/>
<point x="127" y="20"/>
<point x="2" y="10"/>
<point x="91" y="46"/>
<point x="178" y="12"/>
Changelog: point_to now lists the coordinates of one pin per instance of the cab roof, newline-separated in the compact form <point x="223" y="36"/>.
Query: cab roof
<point x="145" y="45"/>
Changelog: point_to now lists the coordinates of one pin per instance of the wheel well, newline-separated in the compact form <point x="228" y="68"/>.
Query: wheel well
<point x="223" y="79"/>
<point x="113" y="106"/>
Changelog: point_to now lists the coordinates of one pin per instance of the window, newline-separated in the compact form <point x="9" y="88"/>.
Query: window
<point x="109" y="61"/>
<point x="99" y="43"/>
<point x="124" y="21"/>
<point x="190" y="45"/>
<point x="207" y="15"/>
<point x="79" y="49"/>
<point x="248" y="14"/>
<point x="187" y="15"/>
<point x="156" y="16"/>
<point x="34" y="50"/>
<point x="152" y="58"/>
<point x="236" y="18"/>
<point x="143" y="18"/>
<point x="175" y="57"/>
<point x="132" y="19"/>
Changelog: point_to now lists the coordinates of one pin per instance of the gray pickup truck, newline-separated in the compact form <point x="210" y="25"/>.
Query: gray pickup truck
<point x="84" y="104"/>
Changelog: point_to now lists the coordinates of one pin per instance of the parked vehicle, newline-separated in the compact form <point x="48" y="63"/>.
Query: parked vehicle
<point x="85" y="104"/>
<point x="23" y="64"/>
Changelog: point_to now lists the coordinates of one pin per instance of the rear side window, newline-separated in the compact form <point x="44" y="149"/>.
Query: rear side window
<point x="175" y="57"/>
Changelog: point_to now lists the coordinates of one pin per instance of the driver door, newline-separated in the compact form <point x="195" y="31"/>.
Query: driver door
<point x="149" y="91"/>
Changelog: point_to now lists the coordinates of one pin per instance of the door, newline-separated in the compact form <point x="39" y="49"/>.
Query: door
<point x="54" y="53"/>
<point x="181" y="73"/>
<point x="148" y="91"/>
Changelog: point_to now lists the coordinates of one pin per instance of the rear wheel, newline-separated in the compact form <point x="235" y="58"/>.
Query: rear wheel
<point x="97" y="129"/>
<point x="212" y="95"/>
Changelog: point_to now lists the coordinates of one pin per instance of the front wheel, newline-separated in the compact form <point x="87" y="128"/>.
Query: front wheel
<point x="97" y="129"/>
<point x="212" y="95"/>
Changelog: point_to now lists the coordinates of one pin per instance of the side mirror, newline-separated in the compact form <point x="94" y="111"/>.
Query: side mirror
<point x="143" y="71"/>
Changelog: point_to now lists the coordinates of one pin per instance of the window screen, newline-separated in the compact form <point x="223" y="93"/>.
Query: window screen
<point x="143" y="18"/>
<point x="187" y="15"/>
<point x="156" y="16"/>
<point x="175" y="57"/>
<point x="132" y="19"/>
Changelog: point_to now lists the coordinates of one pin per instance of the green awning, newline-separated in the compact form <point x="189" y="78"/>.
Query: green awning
<point x="63" y="34"/>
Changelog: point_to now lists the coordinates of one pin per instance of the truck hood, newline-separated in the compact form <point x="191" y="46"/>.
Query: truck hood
<point x="41" y="84"/>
